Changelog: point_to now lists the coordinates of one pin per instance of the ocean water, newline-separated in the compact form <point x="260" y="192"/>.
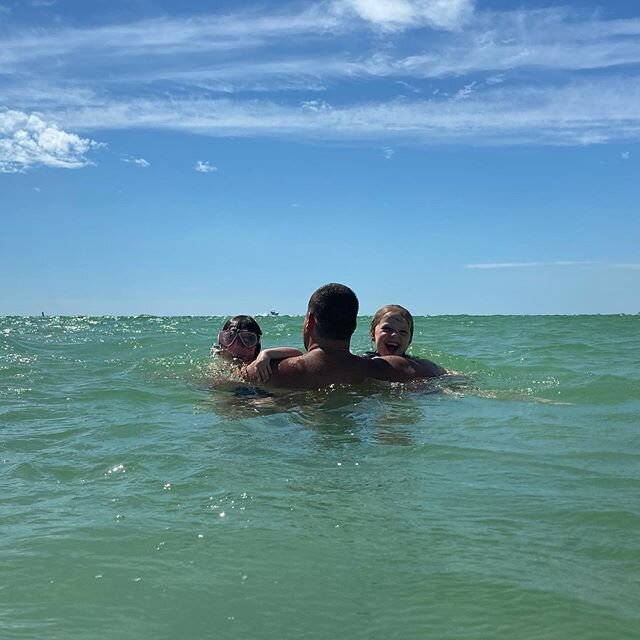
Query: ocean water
<point x="500" y="502"/>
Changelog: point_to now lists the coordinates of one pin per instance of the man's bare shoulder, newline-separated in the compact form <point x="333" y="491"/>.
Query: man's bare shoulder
<point x="291" y="373"/>
<point x="296" y="364"/>
<point x="400" y="368"/>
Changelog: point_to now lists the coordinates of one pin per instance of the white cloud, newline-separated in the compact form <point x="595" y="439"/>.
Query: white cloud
<point x="204" y="167"/>
<point x="27" y="141"/>
<point x="398" y="14"/>
<point x="141" y="162"/>
<point x="382" y="12"/>
<point x="388" y="153"/>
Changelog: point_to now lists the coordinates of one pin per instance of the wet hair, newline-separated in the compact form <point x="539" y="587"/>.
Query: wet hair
<point x="335" y="309"/>
<point x="391" y="308"/>
<point x="244" y="323"/>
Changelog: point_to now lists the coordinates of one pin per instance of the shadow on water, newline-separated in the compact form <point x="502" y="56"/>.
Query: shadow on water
<point x="380" y="412"/>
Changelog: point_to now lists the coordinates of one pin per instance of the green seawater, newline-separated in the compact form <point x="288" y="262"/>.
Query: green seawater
<point x="501" y="502"/>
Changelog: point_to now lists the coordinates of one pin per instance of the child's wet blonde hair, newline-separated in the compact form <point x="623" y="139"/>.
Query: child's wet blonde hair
<point x="391" y="308"/>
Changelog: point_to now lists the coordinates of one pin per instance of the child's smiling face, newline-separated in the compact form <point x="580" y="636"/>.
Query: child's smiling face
<point x="392" y="335"/>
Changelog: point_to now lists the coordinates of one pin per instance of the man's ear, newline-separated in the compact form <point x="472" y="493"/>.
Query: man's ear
<point x="307" y="329"/>
<point x="309" y="321"/>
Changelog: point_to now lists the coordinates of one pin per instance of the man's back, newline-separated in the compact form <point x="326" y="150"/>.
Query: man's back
<point x="320" y="368"/>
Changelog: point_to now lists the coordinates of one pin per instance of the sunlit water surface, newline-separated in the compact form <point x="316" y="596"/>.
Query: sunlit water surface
<point x="137" y="502"/>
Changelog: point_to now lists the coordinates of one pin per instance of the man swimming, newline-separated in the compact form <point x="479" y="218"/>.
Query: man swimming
<point x="329" y="323"/>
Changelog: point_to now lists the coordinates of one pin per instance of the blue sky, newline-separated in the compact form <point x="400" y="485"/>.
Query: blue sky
<point x="229" y="157"/>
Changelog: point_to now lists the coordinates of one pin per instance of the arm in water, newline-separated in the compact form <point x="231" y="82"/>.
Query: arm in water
<point x="260" y="369"/>
<point x="403" y="369"/>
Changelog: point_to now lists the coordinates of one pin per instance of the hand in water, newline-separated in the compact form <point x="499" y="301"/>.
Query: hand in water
<point x="263" y="366"/>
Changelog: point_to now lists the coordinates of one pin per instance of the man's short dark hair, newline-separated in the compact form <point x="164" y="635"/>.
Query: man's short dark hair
<point x="335" y="309"/>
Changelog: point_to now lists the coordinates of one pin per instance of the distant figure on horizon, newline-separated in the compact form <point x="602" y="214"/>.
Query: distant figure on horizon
<point x="391" y="332"/>
<point x="239" y="343"/>
<point x="329" y="323"/>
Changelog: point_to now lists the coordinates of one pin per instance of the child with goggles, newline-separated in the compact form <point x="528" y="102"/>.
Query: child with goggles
<point x="239" y="341"/>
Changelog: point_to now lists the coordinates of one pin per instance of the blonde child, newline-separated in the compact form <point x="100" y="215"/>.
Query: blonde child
<point x="391" y="332"/>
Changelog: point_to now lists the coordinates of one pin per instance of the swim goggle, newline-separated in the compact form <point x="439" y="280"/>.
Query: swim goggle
<point x="227" y="337"/>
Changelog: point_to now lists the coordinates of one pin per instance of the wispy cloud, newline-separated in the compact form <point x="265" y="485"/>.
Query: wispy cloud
<point x="141" y="162"/>
<point x="584" y="113"/>
<point x="204" y="167"/>
<point x="168" y="38"/>
<point x="388" y="153"/>
<point x="465" y="92"/>
<point x="543" y="39"/>
<point x="491" y="42"/>
<point x="625" y="155"/>
<point x="316" y="106"/>
<point x="557" y="263"/>
<point x="408" y="87"/>
<point x="495" y="79"/>
<point x="248" y="73"/>
<point x="26" y="141"/>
